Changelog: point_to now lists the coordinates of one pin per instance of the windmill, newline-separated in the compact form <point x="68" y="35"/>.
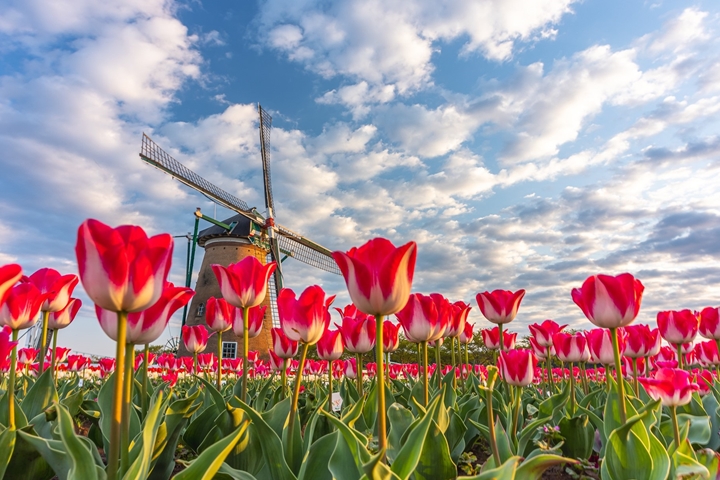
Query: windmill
<point x="247" y="233"/>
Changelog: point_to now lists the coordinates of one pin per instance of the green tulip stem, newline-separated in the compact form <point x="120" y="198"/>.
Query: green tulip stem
<point x="419" y="354"/>
<point x="438" y="367"/>
<point x="127" y="401"/>
<point x="453" y="360"/>
<point x="584" y="378"/>
<point x="195" y="363"/>
<point x="53" y="358"/>
<point x="636" y="384"/>
<point x="11" y="383"/>
<point x="501" y="346"/>
<point x="676" y="428"/>
<point x="491" y="421"/>
<point x="573" y="402"/>
<point x="330" y="387"/>
<point x="425" y="373"/>
<point x="116" y="418"/>
<point x="218" y="375"/>
<point x="516" y="411"/>
<point x="146" y="359"/>
<point x="283" y="377"/>
<point x="548" y="366"/>
<point x="296" y="393"/>
<point x="680" y="356"/>
<point x="608" y="374"/>
<point x="618" y="372"/>
<point x="246" y="348"/>
<point x="359" y="373"/>
<point x="467" y="355"/>
<point x="43" y="343"/>
<point x="380" y="385"/>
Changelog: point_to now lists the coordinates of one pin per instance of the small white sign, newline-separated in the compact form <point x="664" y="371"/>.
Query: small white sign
<point x="336" y="402"/>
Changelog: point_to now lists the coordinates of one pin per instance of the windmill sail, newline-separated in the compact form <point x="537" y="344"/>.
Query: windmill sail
<point x="265" y="128"/>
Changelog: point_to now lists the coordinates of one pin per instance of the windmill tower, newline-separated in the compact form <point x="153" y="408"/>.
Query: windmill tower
<point x="248" y="233"/>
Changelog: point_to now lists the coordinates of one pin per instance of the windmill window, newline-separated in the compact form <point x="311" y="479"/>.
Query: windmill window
<point x="200" y="310"/>
<point x="229" y="349"/>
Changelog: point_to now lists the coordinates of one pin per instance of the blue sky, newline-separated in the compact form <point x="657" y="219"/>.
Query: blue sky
<point x="521" y="143"/>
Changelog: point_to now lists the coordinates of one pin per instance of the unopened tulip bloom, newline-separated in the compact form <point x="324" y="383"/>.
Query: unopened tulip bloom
<point x="77" y="362"/>
<point x="640" y="340"/>
<point x="276" y="363"/>
<point x="27" y="356"/>
<point x="517" y="367"/>
<point x="350" y="369"/>
<point x="600" y="345"/>
<point x="283" y="347"/>
<point x="9" y="276"/>
<point x="330" y="345"/>
<point x="491" y="339"/>
<point x="304" y="319"/>
<point x="710" y="323"/>
<point x="62" y="318"/>
<point x="544" y="332"/>
<point x="609" y="302"/>
<point x="378" y="275"/>
<point x="21" y="306"/>
<point x="61" y="354"/>
<point x="256" y="316"/>
<point x="704" y="379"/>
<point x="58" y="288"/>
<point x="570" y="347"/>
<point x="667" y="354"/>
<point x="672" y="386"/>
<point x="678" y="327"/>
<point x="707" y="353"/>
<point x="391" y="339"/>
<point x="244" y="284"/>
<point x="467" y="334"/>
<point x="541" y="353"/>
<point x="107" y="366"/>
<point x="458" y="319"/>
<point x="195" y="338"/>
<point x="420" y="319"/>
<point x="219" y="314"/>
<point x="500" y="306"/>
<point x="358" y="333"/>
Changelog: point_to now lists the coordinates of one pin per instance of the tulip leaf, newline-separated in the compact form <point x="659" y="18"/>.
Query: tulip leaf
<point x="353" y="414"/>
<point x="226" y="472"/>
<point x="409" y="455"/>
<point x="316" y="461"/>
<point x="506" y="471"/>
<point x="356" y="442"/>
<point x="40" y="396"/>
<point x="141" y="463"/>
<point x="376" y="469"/>
<point x="292" y="445"/>
<point x="699" y="431"/>
<point x="343" y="464"/>
<point x="399" y="418"/>
<point x="277" y="416"/>
<point x="579" y="436"/>
<point x="534" y="467"/>
<point x="7" y="446"/>
<point x="199" y="428"/>
<point x="685" y="464"/>
<point x="455" y="435"/>
<point x="711" y="405"/>
<point x="21" y="420"/>
<point x="217" y="397"/>
<point x="82" y="462"/>
<point x="209" y="462"/>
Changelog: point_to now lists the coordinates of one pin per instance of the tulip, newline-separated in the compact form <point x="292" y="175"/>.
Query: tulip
<point x="284" y="348"/>
<point x="27" y="356"/>
<point x="256" y="316"/>
<point x="276" y="363"/>
<point x="517" y="367"/>
<point x="195" y="338"/>
<point x="601" y="345"/>
<point x="500" y="306"/>
<point x="244" y="284"/>
<point x="710" y="323"/>
<point x="6" y="347"/>
<point x="465" y="338"/>
<point x="545" y="331"/>
<point x="21" y="306"/>
<point x="107" y="366"/>
<point x="9" y="276"/>
<point x="674" y="388"/>
<point x="77" y="362"/>
<point x="704" y="380"/>
<point x="358" y="334"/>
<point x="330" y="346"/>
<point x="707" y="353"/>
<point x="678" y="328"/>
<point x="350" y="369"/>
<point x="391" y="339"/>
<point x="219" y="315"/>
<point x="641" y="340"/>
<point x="542" y="353"/>
<point x="491" y="339"/>
<point x="62" y="354"/>
<point x="570" y="347"/>
<point x="667" y="355"/>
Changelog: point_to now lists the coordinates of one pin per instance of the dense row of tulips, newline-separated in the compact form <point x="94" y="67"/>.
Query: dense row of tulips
<point x="621" y="401"/>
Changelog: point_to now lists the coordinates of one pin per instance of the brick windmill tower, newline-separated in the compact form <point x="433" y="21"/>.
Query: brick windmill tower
<point x="248" y="233"/>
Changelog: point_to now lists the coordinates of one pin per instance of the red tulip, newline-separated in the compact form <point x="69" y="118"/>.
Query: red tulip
<point x="609" y="302"/>
<point x="147" y="326"/>
<point x="358" y="333"/>
<point x="378" y="275"/>
<point x="219" y="314"/>
<point x="170" y="378"/>
<point x="244" y="284"/>
<point x="21" y="307"/>
<point x="350" y="369"/>
<point x="517" y="367"/>
<point x="420" y="320"/>
<point x="704" y="380"/>
<point x="500" y="306"/>
<point x="667" y="354"/>
<point x="570" y="347"/>
<point x="330" y="346"/>
<point x="540" y="352"/>
<point x="107" y="366"/>
<point x="491" y="339"/>
<point x="678" y="326"/>
<point x="122" y="269"/>
<point x="544" y="332"/>
<point x="467" y="334"/>
<point x="207" y="361"/>
<point x="195" y="338"/>
<point x="61" y="354"/>
<point x="710" y="323"/>
<point x="27" y="356"/>
<point x="77" y="362"/>
<point x="63" y="318"/>
<point x="9" y="276"/>
<point x="59" y="288"/>
<point x="307" y="317"/>
<point x="351" y="311"/>
<point x="672" y="386"/>
<point x="641" y="341"/>
<point x="283" y="347"/>
<point x="256" y="316"/>
<point x="276" y="363"/>
<point x="391" y="339"/>
<point x="600" y="345"/>
<point x="458" y="320"/>
<point x="707" y="353"/>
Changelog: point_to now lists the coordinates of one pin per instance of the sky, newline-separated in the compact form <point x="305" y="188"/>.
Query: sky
<point x="521" y="143"/>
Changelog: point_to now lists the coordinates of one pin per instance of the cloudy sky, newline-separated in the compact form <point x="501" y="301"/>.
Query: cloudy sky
<point x="521" y="143"/>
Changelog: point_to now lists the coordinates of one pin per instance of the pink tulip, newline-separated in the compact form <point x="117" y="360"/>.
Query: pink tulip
<point x="61" y="354"/>
<point x="707" y="353"/>
<point x="21" y="307"/>
<point x="491" y="339"/>
<point x="27" y="356"/>
<point x="541" y="353"/>
<point x="641" y="341"/>
<point x="195" y="338"/>
<point x="458" y="319"/>
<point x="219" y="314"/>
<point x="467" y="334"/>
<point x="710" y="323"/>
<point x="350" y="369"/>
<point x="330" y="346"/>
<point x="6" y="347"/>
<point x="420" y="320"/>
<point x="570" y="347"/>
<point x="500" y="306"/>
<point x="544" y="332"/>
<point x="9" y="276"/>
<point x="672" y="386"/>
<point x="147" y="326"/>
<point x="601" y="347"/>
<point x="62" y="318"/>
<point x="609" y="302"/>
<point x="517" y="367"/>
<point x="358" y="334"/>
<point x="378" y="275"/>
<point x="678" y="327"/>
<point x="391" y="339"/>
<point x="58" y="288"/>
<point x="283" y="347"/>
<point x="256" y="316"/>
<point x="77" y="363"/>
<point x="121" y="269"/>
<point x="276" y="363"/>
<point x="244" y="284"/>
<point x="107" y="366"/>
<point x="307" y="317"/>
<point x="704" y="380"/>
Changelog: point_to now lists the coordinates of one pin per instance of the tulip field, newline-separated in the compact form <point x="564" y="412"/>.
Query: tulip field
<point x="618" y="401"/>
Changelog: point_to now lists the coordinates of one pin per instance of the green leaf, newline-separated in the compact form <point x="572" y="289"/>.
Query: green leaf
<point x="140" y="465"/>
<point x="355" y="441"/>
<point x="631" y="454"/>
<point x="506" y="471"/>
<point x="409" y="455"/>
<point x="399" y="418"/>
<point x="217" y="397"/>
<point x="579" y="436"/>
<point x="226" y="472"/>
<point x="292" y="446"/>
<point x="7" y="446"/>
<point x="40" y="396"/>
<point x="711" y="405"/>
<point x="699" y="432"/>
<point x="376" y="469"/>
<point x="533" y="468"/>
<point x="209" y="462"/>
<point x="342" y="464"/>
<point x="82" y="466"/>
<point x="21" y="420"/>
<point x="685" y="464"/>
<point x="315" y="463"/>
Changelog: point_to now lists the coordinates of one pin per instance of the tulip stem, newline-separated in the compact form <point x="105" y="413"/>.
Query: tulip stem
<point x="246" y="347"/>
<point x="359" y="374"/>
<point x="419" y="354"/>
<point x="296" y="393"/>
<point x="584" y="378"/>
<point x="491" y="419"/>
<point x="117" y="403"/>
<point x="380" y="385"/>
<point x="680" y="356"/>
<point x="146" y="359"/>
<point x="11" y="383"/>
<point x="452" y="359"/>
<point x="676" y="428"/>
<point x="516" y="414"/>
<point x="618" y="371"/>
<point x="127" y="401"/>
<point x="572" y="389"/>
<point x="425" y="372"/>
<point x="330" y="387"/>
<point x="467" y="355"/>
<point x="283" y="377"/>
<point x="218" y="376"/>
<point x="438" y="367"/>
<point x="43" y="343"/>
<point x="195" y="363"/>
<point x="53" y="357"/>
<point x="635" y="377"/>
<point x="548" y="366"/>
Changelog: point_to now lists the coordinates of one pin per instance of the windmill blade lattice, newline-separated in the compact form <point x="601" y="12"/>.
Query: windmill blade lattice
<point x="305" y="250"/>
